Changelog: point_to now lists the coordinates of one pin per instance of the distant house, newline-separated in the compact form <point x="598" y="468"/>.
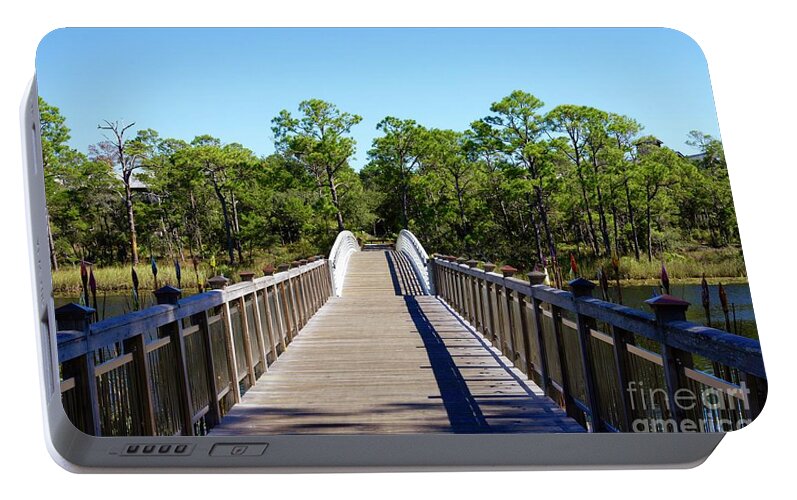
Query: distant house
<point x="697" y="157"/>
<point x="136" y="184"/>
<point x="140" y="188"/>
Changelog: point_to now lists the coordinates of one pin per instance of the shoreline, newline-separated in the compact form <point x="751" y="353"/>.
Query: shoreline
<point x="727" y="280"/>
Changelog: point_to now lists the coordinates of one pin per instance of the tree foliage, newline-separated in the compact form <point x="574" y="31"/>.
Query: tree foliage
<point x="519" y="185"/>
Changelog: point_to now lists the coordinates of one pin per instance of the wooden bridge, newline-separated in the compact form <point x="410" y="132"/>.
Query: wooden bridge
<point x="388" y="340"/>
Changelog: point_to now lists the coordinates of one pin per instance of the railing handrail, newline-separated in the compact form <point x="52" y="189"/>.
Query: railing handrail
<point x="409" y="245"/>
<point x="204" y="351"/>
<point x="72" y="344"/>
<point x="716" y="345"/>
<point x="345" y="245"/>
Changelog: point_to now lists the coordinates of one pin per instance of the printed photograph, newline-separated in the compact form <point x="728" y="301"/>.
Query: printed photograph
<point x="380" y="231"/>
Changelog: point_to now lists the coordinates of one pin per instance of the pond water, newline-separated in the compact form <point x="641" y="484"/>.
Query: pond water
<point x="739" y="301"/>
<point x="116" y="303"/>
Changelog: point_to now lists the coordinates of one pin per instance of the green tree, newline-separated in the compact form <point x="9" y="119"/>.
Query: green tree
<point x="394" y="158"/>
<point x="319" y="140"/>
<point x="118" y="150"/>
<point x="55" y="152"/>
<point x="515" y="129"/>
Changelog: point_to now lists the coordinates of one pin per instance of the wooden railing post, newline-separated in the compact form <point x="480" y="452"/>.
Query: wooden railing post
<point x="478" y="290"/>
<point x="249" y="277"/>
<point x="218" y="283"/>
<point x="137" y="346"/>
<point x="327" y="280"/>
<point x="78" y="318"/>
<point x="250" y="358"/>
<point x="313" y="287"/>
<point x="489" y="267"/>
<point x="538" y="278"/>
<point x="461" y="277"/>
<point x="621" y="340"/>
<point x="463" y="287"/>
<point x="431" y="271"/>
<point x="472" y="312"/>
<point x="170" y="295"/>
<point x="279" y="318"/>
<point x="668" y="308"/>
<point x="261" y="331"/>
<point x="271" y="324"/>
<point x="299" y="292"/>
<point x="582" y="288"/>
<point x="287" y="307"/>
<point x="452" y="281"/>
<point x="558" y="336"/>
<point x="214" y="410"/>
<point x="445" y="281"/>
<point x="509" y="271"/>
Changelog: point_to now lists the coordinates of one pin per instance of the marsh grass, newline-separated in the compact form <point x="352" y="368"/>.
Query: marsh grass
<point x="686" y="266"/>
<point x="118" y="278"/>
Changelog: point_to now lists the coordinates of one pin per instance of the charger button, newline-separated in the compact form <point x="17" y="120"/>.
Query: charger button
<point x="238" y="449"/>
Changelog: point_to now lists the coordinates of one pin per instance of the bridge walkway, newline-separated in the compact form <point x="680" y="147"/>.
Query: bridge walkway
<point x="384" y="358"/>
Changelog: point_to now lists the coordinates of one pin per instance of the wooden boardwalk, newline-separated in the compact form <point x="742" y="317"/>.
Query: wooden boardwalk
<point x="383" y="358"/>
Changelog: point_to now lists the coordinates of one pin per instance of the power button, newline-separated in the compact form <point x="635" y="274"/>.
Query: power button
<point x="238" y="449"/>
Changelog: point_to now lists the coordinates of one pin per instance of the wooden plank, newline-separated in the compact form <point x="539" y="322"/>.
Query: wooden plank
<point x="112" y="364"/>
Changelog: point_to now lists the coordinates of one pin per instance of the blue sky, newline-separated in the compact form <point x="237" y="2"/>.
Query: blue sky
<point x="231" y="82"/>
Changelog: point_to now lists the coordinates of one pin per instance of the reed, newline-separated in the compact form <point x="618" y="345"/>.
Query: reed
<point x="118" y="277"/>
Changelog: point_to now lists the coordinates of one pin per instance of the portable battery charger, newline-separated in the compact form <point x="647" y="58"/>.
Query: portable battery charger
<point x="456" y="249"/>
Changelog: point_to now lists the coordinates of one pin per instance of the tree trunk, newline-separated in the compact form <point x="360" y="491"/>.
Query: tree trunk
<point x="585" y="198"/>
<point x="405" y="204"/>
<point x="463" y="223"/>
<point x="616" y="232"/>
<point x="546" y="225"/>
<point x="607" y="242"/>
<point x="333" y="190"/>
<point x="635" y="241"/>
<point x="51" y="242"/>
<point x="197" y="227"/>
<point x="236" y="227"/>
<point x="131" y="222"/>
<point x="226" y="215"/>
<point x="536" y="224"/>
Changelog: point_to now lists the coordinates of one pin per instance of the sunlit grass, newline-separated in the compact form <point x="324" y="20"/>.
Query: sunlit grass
<point x="119" y="278"/>
<point x="690" y="264"/>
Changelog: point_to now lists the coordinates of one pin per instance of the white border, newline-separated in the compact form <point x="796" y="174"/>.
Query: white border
<point x="749" y="52"/>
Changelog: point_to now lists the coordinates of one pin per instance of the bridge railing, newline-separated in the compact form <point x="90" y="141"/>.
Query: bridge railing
<point x="612" y="368"/>
<point x="178" y="367"/>
<point x="408" y="244"/>
<point x="345" y="245"/>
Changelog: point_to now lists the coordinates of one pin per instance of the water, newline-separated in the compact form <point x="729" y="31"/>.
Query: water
<point x="116" y="303"/>
<point x="738" y="295"/>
